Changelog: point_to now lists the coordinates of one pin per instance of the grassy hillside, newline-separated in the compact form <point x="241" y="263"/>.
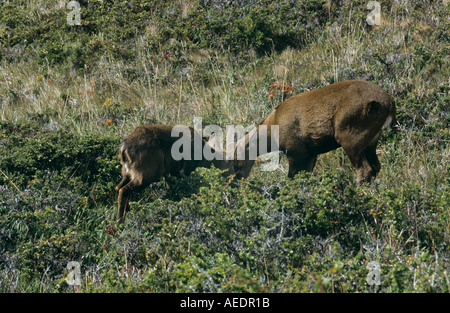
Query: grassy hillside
<point x="69" y="93"/>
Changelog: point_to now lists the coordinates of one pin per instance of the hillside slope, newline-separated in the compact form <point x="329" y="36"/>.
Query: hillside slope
<point x="69" y="93"/>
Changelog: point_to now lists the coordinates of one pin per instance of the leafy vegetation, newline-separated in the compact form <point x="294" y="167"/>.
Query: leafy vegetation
<point x="68" y="94"/>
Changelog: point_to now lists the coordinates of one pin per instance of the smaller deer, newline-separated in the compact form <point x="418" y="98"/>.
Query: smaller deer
<point x="348" y="114"/>
<point x="146" y="156"/>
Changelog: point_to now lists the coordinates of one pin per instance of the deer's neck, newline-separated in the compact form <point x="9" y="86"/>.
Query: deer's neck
<point x="260" y="140"/>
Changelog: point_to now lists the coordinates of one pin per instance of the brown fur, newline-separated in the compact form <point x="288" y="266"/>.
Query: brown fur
<point x="146" y="157"/>
<point x="349" y="114"/>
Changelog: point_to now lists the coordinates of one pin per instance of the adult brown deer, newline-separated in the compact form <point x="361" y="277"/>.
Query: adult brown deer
<point x="348" y="114"/>
<point x="147" y="155"/>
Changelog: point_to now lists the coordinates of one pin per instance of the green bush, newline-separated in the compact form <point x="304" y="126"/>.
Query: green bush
<point x="28" y="151"/>
<point x="315" y="232"/>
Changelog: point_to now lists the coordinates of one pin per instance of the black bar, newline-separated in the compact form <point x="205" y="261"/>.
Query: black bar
<point x="222" y="302"/>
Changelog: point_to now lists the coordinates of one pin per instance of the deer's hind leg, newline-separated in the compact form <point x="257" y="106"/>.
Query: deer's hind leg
<point x="371" y="155"/>
<point x="124" y="198"/>
<point x="138" y="176"/>
<point x="358" y="158"/>
<point x="125" y="180"/>
<point x="363" y="158"/>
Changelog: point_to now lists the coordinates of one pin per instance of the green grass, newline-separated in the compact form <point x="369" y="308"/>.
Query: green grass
<point x="68" y="94"/>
